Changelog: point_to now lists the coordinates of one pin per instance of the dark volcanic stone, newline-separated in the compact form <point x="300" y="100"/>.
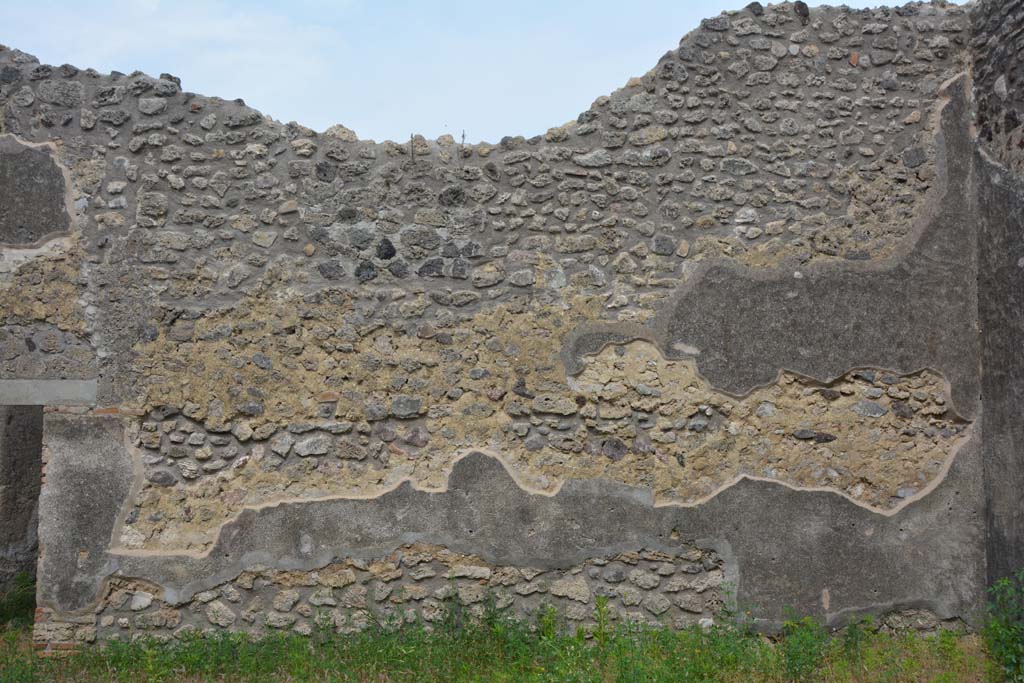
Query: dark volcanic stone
<point x="331" y="270"/>
<point x="811" y="435"/>
<point x="10" y="74"/>
<point x="398" y="268"/>
<point x="802" y="11"/>
<point x="325" y="172"/>
<point x="613" y="448"/>
<point x="366" y="271"/>
<point x="161" y="478"/>
<point x="432" y="267"/>
<point x="914" y="157"/>
<point x="385" y="249"/>
<point x="347" y="214"/>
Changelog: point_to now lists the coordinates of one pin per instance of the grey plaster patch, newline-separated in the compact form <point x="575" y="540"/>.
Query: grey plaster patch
<point x="21" y="434"/>
<point x="782" y="546"/>
<point x="1000" y="211"/>
<point x="50" y="392"/>
<point x="32" y="175"/>
<point x="917" y="311"/>
<point x="88" y="475"/>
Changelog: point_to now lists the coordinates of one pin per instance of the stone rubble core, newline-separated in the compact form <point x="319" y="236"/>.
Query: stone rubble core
<point x="635" y="418"/>
<point x="746" y="286"/>
<point x="415" y="583"/>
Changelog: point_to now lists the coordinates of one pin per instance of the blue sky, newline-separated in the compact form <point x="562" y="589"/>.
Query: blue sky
<point x="384" y="68"/>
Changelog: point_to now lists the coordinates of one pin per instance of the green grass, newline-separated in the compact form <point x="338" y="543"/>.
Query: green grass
<point x="1004" y="630"/>
<point x="17" y="605"/>
<point x="497" y="648"/>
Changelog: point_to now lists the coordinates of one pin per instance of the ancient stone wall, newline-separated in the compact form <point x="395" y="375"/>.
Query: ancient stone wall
<point x="717" y="339"/>
<point x="998" y="47"/>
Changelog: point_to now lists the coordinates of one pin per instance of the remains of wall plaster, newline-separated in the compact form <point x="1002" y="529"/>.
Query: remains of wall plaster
<point x="415" y="582"/>
<point x="999" y="92"/>
<point x="21" y="442"/>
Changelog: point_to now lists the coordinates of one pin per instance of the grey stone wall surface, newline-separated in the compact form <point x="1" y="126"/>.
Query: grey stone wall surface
<point x="744" y="330"/>
<point x="998" y="49"/>
<point x="21" y="444"/>
<point x="1001" y="308"/>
